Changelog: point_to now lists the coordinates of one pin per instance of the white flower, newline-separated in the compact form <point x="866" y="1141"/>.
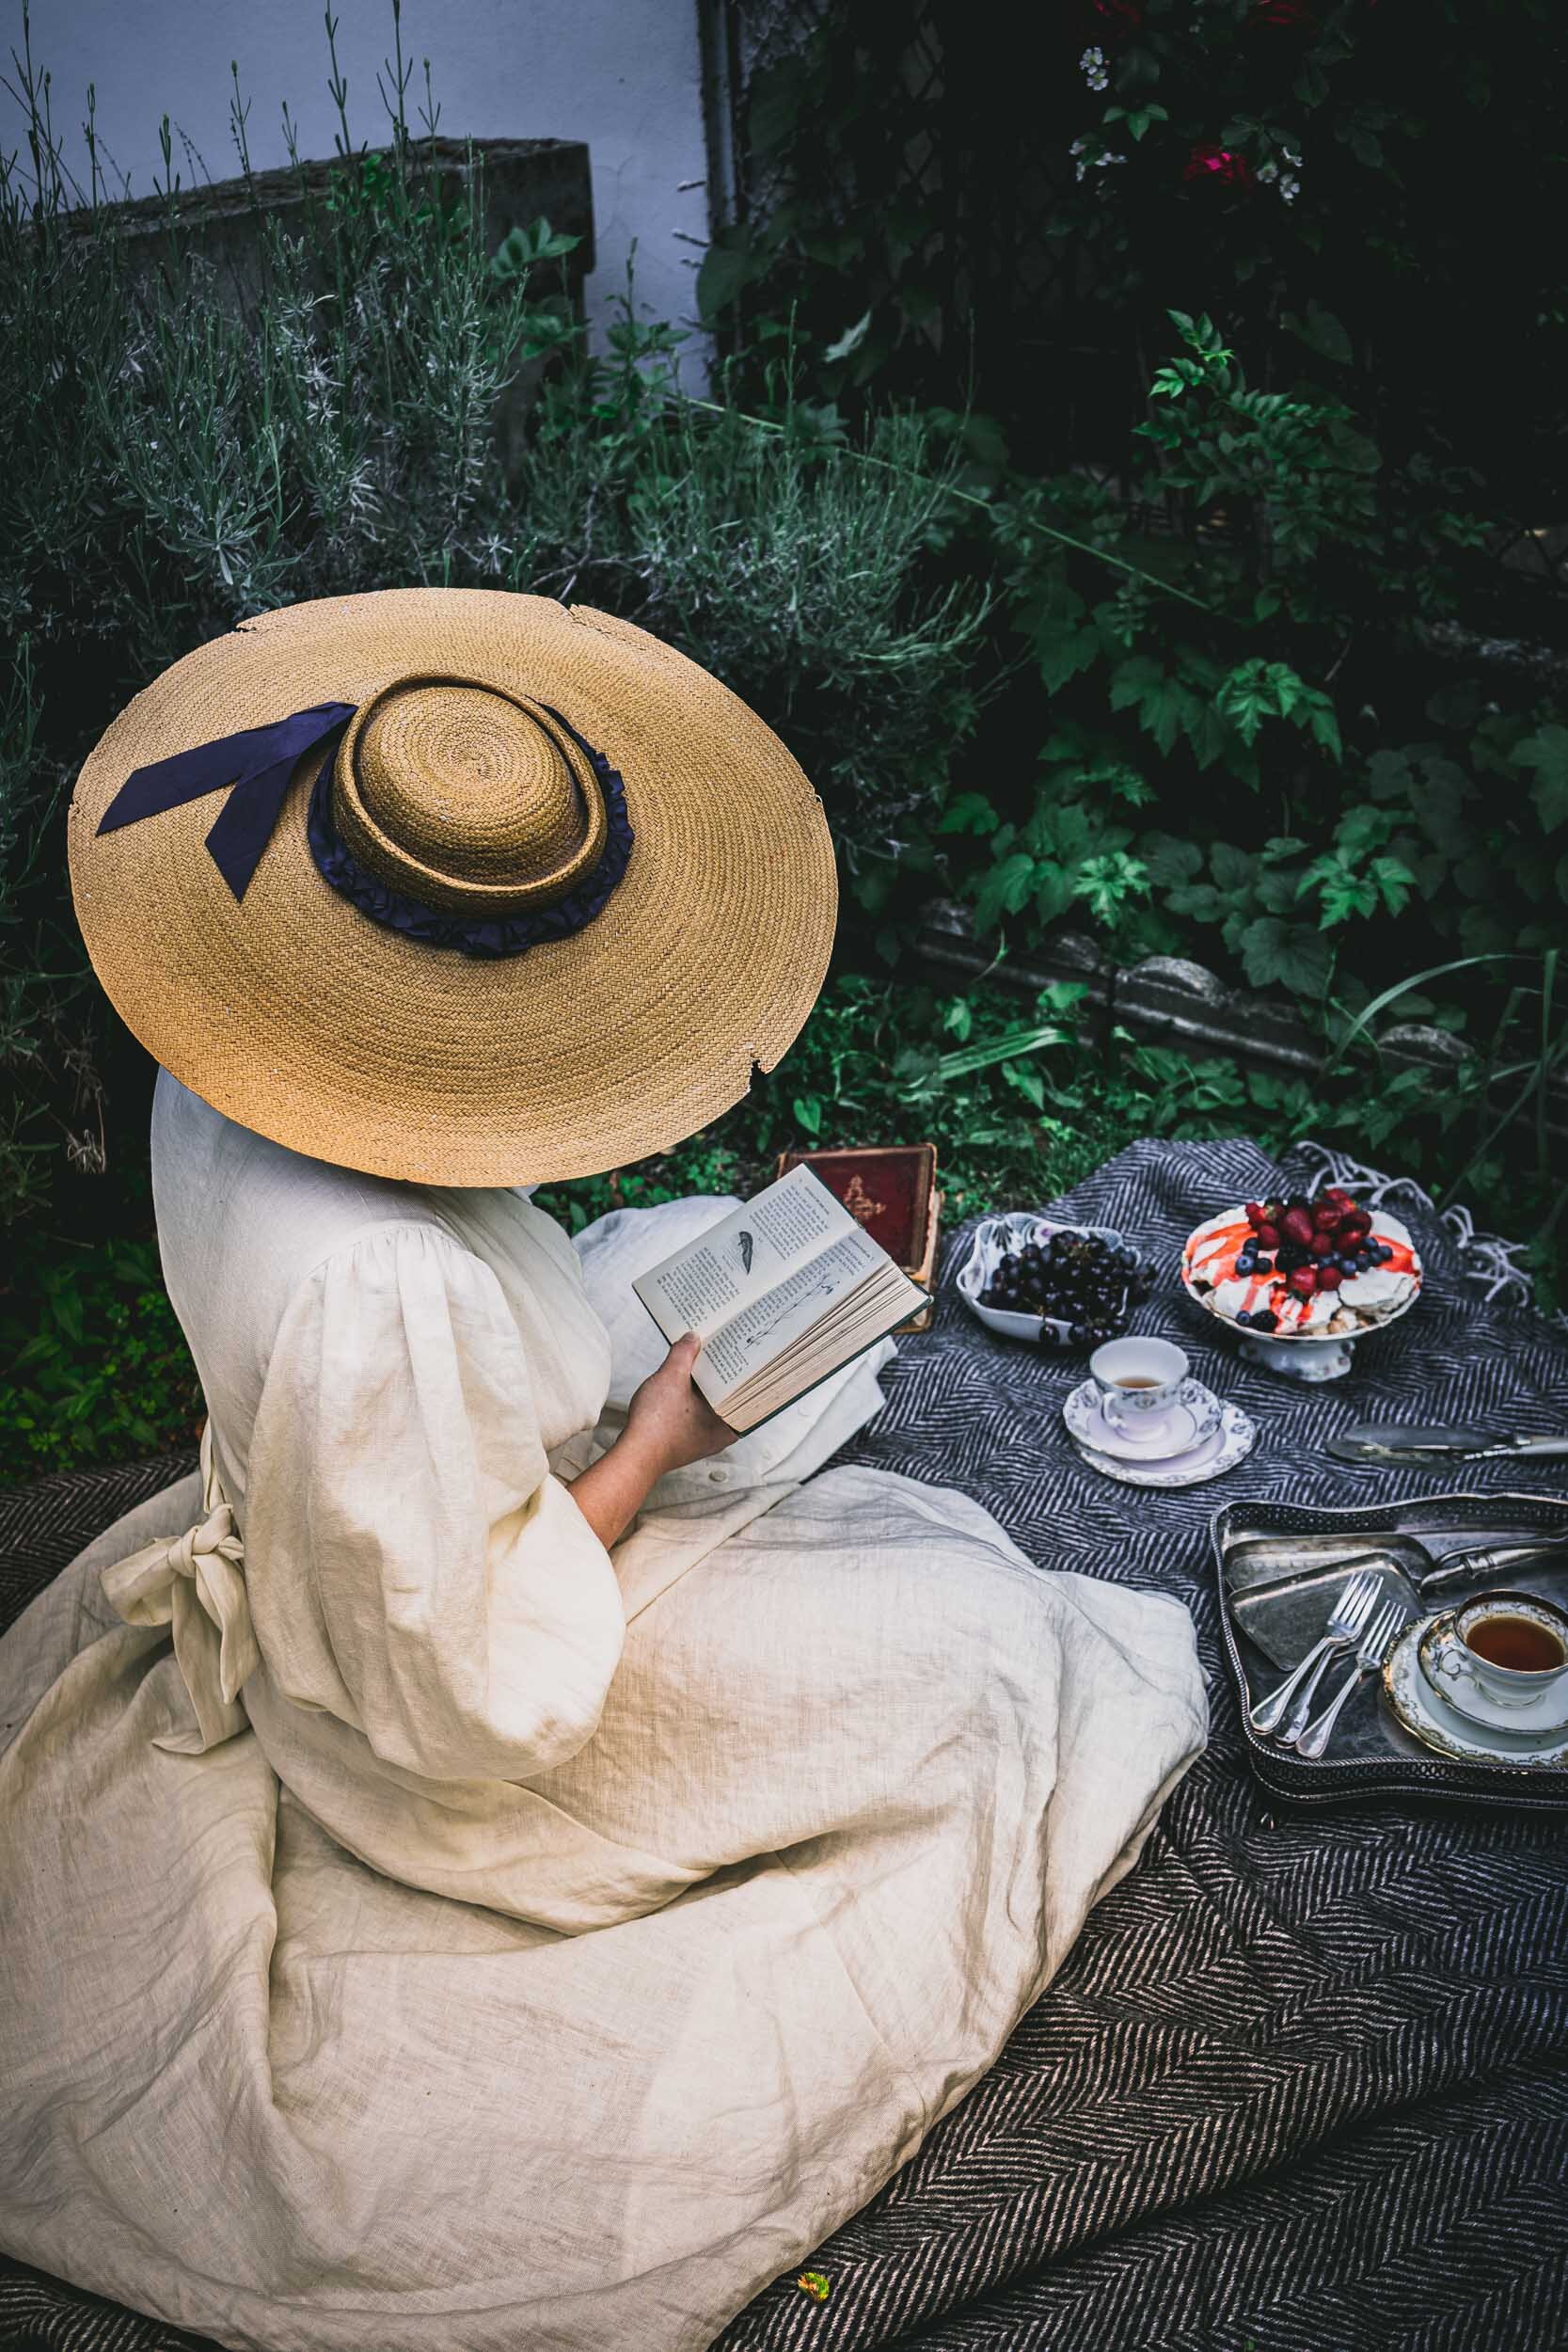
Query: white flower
<point x="1291" y="156"/>
<point x="1095" y="70"/>
<point x="1268" y="171"/>
<point x="1289" y="187"/>
<point x="1089" y="155"/>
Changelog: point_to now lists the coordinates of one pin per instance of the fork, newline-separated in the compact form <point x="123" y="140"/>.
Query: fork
<point x="1350" y="1614"/>
<point x="1378" y="1641"/>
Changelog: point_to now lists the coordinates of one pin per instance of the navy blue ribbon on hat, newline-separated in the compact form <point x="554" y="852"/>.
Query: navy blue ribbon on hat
<point x="258" y="764"/>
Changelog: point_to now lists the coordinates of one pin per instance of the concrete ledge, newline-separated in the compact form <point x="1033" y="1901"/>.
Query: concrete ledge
<point x="1169" y="1000"/>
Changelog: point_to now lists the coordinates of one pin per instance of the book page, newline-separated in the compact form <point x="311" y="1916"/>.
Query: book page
<point x="743" y="1256"/>
<point x="766" y="1326"/>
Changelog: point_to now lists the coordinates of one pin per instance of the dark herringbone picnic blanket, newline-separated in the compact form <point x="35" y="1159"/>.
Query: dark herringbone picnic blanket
<point x="1302" y="2085"/>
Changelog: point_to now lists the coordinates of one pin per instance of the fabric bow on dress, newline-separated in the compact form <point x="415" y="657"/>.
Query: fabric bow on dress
<point x="196" y="1584"/>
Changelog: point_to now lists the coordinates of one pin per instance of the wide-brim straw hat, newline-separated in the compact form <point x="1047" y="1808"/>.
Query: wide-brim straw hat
<point x="502" y="765"/>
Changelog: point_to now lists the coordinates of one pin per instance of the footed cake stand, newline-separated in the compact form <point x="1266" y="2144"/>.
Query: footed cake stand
<point x="1309" y="1356"/>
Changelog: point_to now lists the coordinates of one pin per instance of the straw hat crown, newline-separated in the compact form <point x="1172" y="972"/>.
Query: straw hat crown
<point x="467" y="797"/>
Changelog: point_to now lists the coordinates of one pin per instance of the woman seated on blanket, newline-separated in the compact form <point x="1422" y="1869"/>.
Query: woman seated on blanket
<point x="494" y="1859"/>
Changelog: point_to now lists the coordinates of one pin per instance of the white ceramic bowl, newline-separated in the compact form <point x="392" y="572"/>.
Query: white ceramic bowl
<point x="993" y="1236"/>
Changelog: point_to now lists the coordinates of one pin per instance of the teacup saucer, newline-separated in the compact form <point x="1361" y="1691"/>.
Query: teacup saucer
<point x="1230" y="1442"/>
<point x="1540" y="1717"/>
<point x="1436" y="1724"/>
<point x="1193" y="1415"/>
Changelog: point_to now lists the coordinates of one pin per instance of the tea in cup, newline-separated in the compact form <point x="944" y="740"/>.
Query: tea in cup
<point x="1510" y="1646"/>
<point x="1139" y="1381"/>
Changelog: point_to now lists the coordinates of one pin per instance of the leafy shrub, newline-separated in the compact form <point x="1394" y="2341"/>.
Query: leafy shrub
<point x="98" y="1370"/>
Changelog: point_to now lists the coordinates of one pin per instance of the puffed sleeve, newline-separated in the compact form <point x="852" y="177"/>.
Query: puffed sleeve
<point x="412" y="1565"/>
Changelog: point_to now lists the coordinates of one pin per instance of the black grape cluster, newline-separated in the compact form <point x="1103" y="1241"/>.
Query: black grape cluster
<point x="1081" y="1280"/>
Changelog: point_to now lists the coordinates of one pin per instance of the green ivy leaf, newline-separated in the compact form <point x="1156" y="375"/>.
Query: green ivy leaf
<point x="1054" y="890"/>
<point x="1200" y="901"/>
<point x="1168" y="860"/>
<point x="1004" y="890"/>
<point x="1232" y="868"/>
<point x="972" y="812"/>
<point x="1394" y="879"/>
<point x="1063" y="651"/>
<point x="1165" y="706"/>
<point x="1288" y="955"/>
<point x="1546" y="751"/>
<point x="1321" y="332"/>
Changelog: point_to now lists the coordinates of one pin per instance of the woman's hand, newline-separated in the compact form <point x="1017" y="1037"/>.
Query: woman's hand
<point x="670" y="1418"/>
<point x="669" y="1423"/>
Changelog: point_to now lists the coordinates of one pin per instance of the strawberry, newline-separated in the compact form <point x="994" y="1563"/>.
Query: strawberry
<point x="1296" y="1225"/>
<point x="1338" y="1192"/>
<point x="1303" y="1282"/>
<point x="1268" y="1237"/>
<point x="1254" y="1215"/>
<point x="1329" y="1277"/>
<point x="1323" y="1244"/>
<point x="1326" y="1216"/>
<point x="1355" y="1221"/>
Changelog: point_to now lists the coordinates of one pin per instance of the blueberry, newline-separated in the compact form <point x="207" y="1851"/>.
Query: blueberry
<point x="1242" y="1316"/>
<point x="1078" y="1334"/>
<point x="1265" y="1320"/>
<point x="1262" y="1266"/>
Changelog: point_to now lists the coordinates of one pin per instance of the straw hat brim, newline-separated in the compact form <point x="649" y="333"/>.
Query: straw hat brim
<point x="297" y="1015"/>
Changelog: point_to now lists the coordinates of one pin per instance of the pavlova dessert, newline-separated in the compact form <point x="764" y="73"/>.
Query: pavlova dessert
<point x="1299" y="1269"/>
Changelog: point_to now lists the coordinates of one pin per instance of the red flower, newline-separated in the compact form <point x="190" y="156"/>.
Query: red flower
<point x="1209" y="161"/>
<point x="1114" y="20"/>
<point x="1283" y="16"/>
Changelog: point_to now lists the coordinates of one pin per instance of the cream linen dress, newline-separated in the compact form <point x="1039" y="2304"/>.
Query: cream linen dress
<point x="424" y="1930"/>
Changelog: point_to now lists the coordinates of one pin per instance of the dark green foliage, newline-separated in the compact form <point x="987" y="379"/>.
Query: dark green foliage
<point x="97" y="1369"/>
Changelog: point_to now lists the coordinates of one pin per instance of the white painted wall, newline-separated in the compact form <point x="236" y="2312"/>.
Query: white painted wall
<point x="624" y="75"/>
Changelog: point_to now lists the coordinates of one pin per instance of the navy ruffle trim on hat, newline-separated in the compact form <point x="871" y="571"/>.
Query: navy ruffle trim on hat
<point x="489" y="937"/>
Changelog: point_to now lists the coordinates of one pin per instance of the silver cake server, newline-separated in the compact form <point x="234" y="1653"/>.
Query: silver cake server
<point x="1416" y="1444"/>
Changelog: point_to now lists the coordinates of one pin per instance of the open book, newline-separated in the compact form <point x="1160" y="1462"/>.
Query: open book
<point x="781" y="1292"/>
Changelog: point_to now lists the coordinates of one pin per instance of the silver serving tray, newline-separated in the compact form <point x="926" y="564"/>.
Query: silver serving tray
<point x="1277" y="1566"/>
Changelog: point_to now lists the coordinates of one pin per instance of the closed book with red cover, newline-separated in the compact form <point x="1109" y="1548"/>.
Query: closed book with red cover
<point x="892" y="1191"/>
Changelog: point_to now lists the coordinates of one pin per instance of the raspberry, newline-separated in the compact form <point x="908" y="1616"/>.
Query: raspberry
<point x="1296" y="1224"/>
<point x="1329" y="1277"/>
<point x="1303" y="1282"/>
<point x="1268" y="1237"/>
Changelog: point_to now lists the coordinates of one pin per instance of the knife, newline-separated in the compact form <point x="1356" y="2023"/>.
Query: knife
<point x="1429" y="1446"/>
